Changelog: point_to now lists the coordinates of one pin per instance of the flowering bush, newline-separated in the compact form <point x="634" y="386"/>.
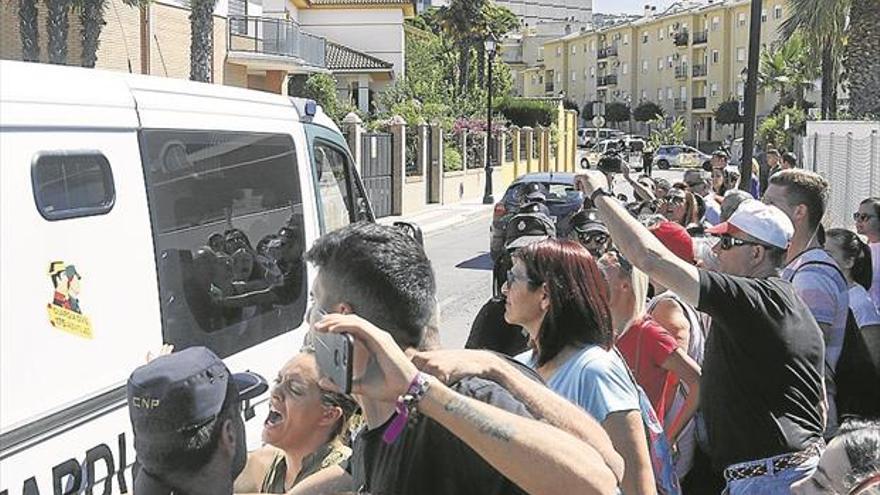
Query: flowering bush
<point x="475" y="126"/>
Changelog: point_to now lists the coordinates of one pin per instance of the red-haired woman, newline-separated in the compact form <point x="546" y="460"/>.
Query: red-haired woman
<point x="557" y="294"/>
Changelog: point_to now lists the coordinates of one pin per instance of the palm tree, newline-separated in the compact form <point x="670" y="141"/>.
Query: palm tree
<point x="822" y="23"/>
<point x="861" y="61"/>
<point x="786" y="70"/>
<point x="29" y="29"/>
<point x="201" y="49"/>
<point x="91" y="15"/>
<point x="57" y="25"/>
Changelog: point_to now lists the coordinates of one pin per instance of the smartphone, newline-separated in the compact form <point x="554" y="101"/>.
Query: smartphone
<point x="335" y="355"/>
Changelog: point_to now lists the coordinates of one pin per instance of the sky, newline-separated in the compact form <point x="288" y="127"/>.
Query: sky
<point x="626" y="6"/>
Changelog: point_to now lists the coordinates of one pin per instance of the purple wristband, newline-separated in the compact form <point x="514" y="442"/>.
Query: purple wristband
<point x="405" y="403"/>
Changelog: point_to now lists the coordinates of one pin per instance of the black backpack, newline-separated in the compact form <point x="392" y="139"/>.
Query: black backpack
<point x="857" y="374"/>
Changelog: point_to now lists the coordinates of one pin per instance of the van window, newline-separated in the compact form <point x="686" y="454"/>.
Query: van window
<point x="227" y="220"/>
<point x="72" y="184"/>
<point x="332" y="189"/>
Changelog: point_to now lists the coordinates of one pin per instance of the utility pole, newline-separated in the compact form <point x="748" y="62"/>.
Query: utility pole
<point x="751" y="97"/>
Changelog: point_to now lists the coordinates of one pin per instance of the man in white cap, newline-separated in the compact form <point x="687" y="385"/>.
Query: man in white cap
<point x="762" y="398"/>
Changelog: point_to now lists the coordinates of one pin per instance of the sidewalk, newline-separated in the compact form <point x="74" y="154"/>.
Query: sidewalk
<point x="437" y="217"/>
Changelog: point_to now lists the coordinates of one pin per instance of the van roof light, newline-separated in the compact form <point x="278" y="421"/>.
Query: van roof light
<point x="311" y="108"/>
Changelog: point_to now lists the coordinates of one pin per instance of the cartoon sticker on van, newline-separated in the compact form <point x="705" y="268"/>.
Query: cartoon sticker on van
<point x="65" y="313"/>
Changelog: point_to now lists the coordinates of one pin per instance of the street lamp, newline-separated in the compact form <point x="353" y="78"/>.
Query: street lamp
<point x="490" y="44"/>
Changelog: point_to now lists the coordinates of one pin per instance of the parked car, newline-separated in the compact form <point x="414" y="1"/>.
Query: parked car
<point x="680" y="156"/>
<point x="633" y="152"/>
<point x="561" y="199"/>
<point x="587" y="135"/>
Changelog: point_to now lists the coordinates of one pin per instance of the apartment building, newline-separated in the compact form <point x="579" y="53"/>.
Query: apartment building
<point x="533" y="12"/>
<point x="688" y="59"/>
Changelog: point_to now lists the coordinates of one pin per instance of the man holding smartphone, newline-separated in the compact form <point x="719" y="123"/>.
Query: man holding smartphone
<point x="422" y="436"/>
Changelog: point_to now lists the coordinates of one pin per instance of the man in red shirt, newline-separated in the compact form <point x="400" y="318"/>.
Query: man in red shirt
<point x="650" y="351"/>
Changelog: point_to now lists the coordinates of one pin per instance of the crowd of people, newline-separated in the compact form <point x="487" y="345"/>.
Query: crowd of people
<point x="692" y="339"/>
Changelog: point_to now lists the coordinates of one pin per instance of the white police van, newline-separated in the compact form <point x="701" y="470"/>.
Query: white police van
<point x="136" y="211"/>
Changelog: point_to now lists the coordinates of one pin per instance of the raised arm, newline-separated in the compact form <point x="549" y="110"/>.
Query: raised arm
<point x="538" y="457"/>
<point x="640" y="192"/>
<point x="639" y="246"/>
<point x="544" y="404"/>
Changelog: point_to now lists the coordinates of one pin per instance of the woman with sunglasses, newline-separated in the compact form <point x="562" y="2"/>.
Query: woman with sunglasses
<point x="868" y="224"/>
<point x="304" y="432"/>
<point x="556" y="292"/>
<point x="679" y="205"/>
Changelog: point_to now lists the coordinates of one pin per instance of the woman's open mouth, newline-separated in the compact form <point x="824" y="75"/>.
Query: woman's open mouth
<point x="274" y="418"/>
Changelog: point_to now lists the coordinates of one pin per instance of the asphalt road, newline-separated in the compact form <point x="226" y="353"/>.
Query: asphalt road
<point x="460" y="257"/>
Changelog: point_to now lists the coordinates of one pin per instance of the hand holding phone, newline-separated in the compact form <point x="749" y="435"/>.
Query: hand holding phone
<point x="335" y="355"/>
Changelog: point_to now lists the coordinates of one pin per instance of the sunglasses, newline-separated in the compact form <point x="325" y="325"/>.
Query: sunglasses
<point x="862" y="217"/>
<point x="513" y="277"/>
<point x="727" y="242"/>
<point x="586" y="238"/>
<point x="679" y="200"/>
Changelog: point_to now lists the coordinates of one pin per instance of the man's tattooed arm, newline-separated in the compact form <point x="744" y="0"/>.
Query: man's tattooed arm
<point x="538" y="457"/>
<point x="484" y="425"/>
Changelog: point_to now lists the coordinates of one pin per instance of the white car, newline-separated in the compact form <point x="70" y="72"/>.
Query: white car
<point x="587" y="135"/>
<point x="632" y="152"/>
<point x="679" y="156"/>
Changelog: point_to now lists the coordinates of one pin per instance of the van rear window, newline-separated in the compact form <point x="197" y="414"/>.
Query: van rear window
<point x="70" y="184"/>
<point x="227" y="221"/>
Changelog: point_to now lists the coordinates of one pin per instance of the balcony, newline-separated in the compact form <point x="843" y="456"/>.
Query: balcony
<point x="681" y="39"/>
<point x="699" y="103"/>
<point x="701" y="37"/>
<point x="275" y="38"/>
<point x="605" y="52"/>
<point x="680" y="104"/>
<point x="609" y="80"/>
<point x="681" y="71"/>
<point x="700" y="70"/>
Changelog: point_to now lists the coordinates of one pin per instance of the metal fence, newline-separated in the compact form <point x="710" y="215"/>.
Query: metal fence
<point x="413" y="146"/>
<point x="475" y="147"/>
<point x="508" y="145"/>
<point x="273" y="36"/>
<point x="850" y="165"/>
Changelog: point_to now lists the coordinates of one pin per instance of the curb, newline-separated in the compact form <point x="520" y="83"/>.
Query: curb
<point x="443" y="217"/>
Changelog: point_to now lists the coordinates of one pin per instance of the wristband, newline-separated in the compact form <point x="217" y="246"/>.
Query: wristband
<point x="599" y="191"/>
<point x="406" y="407"/>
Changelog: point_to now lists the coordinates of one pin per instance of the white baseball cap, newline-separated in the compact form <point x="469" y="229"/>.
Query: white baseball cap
<point x="765" y="223"/>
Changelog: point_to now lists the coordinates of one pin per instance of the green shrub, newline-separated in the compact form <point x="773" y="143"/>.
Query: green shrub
<point x="322" y="89"/>
<point x="528" y="113"/>
<point x="451" y="159"/>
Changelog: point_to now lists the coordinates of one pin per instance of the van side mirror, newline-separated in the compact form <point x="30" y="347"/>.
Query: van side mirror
<point x="411" y="230"/>
<point x="362" y="212"/>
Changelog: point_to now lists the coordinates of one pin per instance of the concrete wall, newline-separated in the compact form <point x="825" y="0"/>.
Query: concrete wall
<point x="376" y="32"/>
<point x="414" y="195"/>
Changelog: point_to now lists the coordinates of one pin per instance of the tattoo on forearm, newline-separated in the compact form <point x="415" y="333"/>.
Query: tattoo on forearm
<point x="485" y="425"/>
